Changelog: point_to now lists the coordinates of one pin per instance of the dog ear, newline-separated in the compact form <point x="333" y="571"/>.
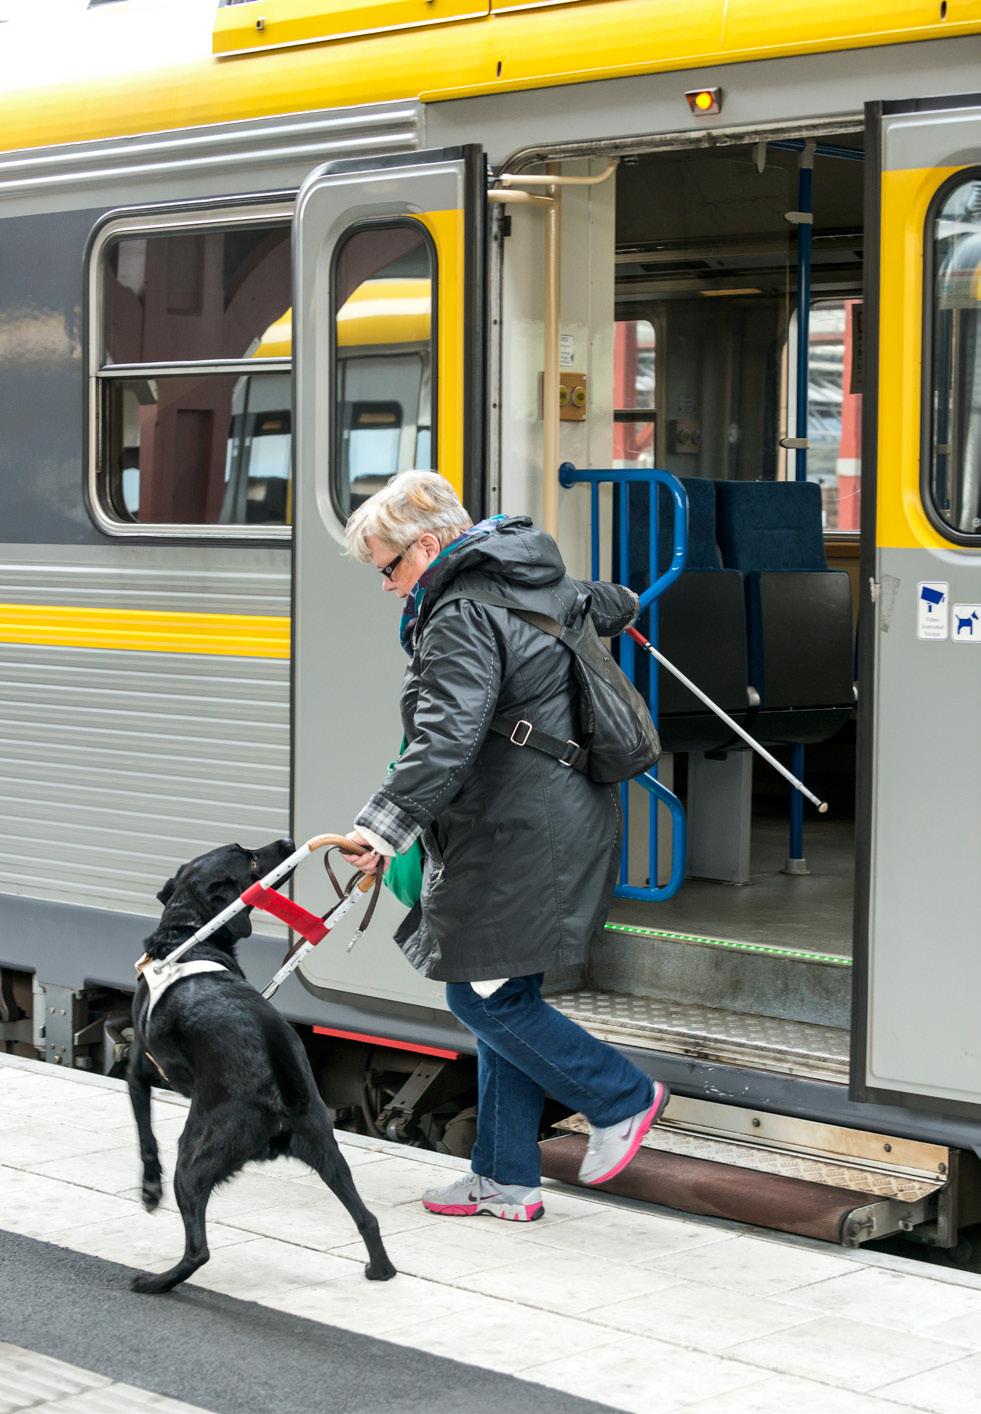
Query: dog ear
<point x="218" y="898"/>
<point x="166" y="893"/>
<point x="241" y="925"/>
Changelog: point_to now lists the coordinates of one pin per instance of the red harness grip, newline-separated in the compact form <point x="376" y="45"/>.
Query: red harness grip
<point x="308" y="925"/>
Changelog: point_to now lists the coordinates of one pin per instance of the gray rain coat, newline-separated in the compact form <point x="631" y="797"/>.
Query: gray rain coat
<point x="521" y="852"/>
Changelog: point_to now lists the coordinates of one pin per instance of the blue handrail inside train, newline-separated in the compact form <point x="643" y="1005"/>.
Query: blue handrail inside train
<point x="657" y="583"/>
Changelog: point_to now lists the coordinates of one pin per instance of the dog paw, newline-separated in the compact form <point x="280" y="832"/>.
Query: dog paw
<point x="152" y="1193"/>
<point x="380" y="1271"/>
<point x="148" y="1285"/>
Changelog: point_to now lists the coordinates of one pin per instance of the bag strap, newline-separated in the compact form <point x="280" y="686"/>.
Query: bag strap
<point x="531" y="616"/>
<point x="522" y="733"/>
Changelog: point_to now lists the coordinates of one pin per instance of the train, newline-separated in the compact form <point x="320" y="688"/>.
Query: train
<point x="700" y="292"/>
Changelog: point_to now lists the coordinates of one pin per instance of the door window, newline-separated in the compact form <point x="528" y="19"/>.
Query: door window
<point x="633" y="393"/>
<point x="834" y="405"/>
<point x="834" y="408"/>
<point x="385" y="355"/>
<point x="954" y="461"/>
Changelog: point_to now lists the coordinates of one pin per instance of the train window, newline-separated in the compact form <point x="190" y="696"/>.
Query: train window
<point x="190" y="295"/>
<point x="955" y="364"/>
<point x="633" y="393"/>
<point x="191" y="351"/>
<point x="383" y="298"/>
<point x="834" y="408"/>
<point x="230" y="438"/>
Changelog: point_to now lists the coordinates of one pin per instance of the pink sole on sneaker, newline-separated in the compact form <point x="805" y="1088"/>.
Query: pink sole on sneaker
<point x="661" y="1097"/>
<point x="526" y="1213"/>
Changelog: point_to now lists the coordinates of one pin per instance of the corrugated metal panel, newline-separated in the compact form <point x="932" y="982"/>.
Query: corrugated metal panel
<point x="119" y="766"/>
<point x="130" y="579"/>
<point x="256" y="145"/>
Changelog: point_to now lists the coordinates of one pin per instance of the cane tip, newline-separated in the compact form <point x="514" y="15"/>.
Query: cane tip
<point x="823" y="808"/>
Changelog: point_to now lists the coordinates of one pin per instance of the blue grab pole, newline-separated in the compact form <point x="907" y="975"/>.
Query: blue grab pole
<point x="679" y="843"/>
<point x="623" y="479"/>
<point x="653" y="679"/>
<point x="595" y="506"/>
<point x="627" y="664"/>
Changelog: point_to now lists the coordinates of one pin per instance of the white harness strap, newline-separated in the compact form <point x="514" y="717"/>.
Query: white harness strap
<point x="159" y="981"/>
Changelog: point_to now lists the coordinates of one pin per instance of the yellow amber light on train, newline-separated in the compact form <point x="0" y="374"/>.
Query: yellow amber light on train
<point x="705" y="100"/>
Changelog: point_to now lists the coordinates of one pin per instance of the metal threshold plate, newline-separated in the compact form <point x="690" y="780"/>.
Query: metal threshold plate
<point x="724" y="1188"/>
<point x="829" y="1172"/>
<point x="708" y="1033"/>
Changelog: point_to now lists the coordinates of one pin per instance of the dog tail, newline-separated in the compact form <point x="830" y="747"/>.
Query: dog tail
<point x="288" y="1073"/>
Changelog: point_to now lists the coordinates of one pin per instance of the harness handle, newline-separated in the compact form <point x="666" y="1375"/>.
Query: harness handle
<point x="337" y="842"/>
<point x="362" y="882"/>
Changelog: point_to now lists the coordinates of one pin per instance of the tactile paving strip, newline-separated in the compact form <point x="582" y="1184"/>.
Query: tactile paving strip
<point x="729" y="1037"/>
<point x="29" y="1380"/>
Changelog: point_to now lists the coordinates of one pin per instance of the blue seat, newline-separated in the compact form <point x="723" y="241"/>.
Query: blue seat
<point x="702" y="621"/>
<point x="798" y="612"/>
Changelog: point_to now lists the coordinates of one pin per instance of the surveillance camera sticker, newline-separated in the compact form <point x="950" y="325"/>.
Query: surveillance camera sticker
<point x="932" y="609"/>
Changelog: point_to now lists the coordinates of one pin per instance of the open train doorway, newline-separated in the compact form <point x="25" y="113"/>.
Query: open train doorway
<point x="737" y="368"/>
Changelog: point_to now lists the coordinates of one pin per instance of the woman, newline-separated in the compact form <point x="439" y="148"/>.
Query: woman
<point x="520" y="847"/>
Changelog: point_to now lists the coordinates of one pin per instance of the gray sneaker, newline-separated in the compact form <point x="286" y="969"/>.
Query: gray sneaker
<point x="611" y="1149"/>
<point x="473" y="1194"/>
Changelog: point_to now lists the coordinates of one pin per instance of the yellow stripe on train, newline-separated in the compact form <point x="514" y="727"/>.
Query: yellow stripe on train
<point x="146" y="631"/>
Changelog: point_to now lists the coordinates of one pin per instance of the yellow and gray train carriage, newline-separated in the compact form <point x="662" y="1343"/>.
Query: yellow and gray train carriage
<point x="699" y="290"/>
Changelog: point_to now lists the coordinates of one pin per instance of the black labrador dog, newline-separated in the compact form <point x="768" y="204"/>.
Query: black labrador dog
<point x="218" y="1041"/>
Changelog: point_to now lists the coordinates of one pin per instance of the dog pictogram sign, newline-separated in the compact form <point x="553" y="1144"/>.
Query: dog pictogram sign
<point x="967" y="623"/>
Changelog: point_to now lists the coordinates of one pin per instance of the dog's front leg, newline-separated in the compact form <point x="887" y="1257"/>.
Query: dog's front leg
<point x="194" y="1178"/>
<point x="138" y="1077"/>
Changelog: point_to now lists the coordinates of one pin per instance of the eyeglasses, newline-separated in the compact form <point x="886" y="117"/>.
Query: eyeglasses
<point x="388" y="570"/>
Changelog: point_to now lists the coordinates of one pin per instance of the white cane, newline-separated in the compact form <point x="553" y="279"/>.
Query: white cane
<point x="648" y="647"/>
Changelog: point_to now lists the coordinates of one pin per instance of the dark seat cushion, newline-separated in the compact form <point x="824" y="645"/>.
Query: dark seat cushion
<point x="800" y="638"/>
<point x="703" y="632"/>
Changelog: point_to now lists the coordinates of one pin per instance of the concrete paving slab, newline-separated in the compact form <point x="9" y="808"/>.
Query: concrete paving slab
<point x="602" y="1300"/>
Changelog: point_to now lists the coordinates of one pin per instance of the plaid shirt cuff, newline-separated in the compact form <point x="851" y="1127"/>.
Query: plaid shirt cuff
<point x="384" y="818"/>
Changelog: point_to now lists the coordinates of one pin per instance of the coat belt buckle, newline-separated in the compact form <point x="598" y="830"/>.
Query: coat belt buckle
<point x="573" y="751"/>
<point x="528" y="731"/>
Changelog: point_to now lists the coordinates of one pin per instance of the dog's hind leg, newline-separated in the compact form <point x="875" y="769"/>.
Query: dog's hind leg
<point x="138" y="1077"/>
<point x="313" y="1142"/>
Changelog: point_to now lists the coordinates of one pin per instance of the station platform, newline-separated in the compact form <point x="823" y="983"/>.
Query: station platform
<point x="602" y="1304"/>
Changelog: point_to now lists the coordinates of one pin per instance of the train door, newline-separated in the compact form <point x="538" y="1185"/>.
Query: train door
<point x="916" y="1039"/>
<point x="388" y="349"/>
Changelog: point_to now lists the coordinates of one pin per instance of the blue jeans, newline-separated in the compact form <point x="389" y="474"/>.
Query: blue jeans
<point x="526" y="1048"/>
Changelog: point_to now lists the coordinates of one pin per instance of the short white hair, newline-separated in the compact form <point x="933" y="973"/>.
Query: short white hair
<point x="412" y="504"/>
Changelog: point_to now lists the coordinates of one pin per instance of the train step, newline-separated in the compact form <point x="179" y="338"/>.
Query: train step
<point x="838" y="1185"/>
<point x="719" y="1034"/>
<point x="777" y="977"/>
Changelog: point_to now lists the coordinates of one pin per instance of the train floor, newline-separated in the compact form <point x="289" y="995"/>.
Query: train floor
<point x="812" y="911"/>
<point x="601" y="1304"/>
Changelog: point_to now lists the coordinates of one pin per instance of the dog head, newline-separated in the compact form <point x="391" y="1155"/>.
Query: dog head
<point x="206" y="885"/>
